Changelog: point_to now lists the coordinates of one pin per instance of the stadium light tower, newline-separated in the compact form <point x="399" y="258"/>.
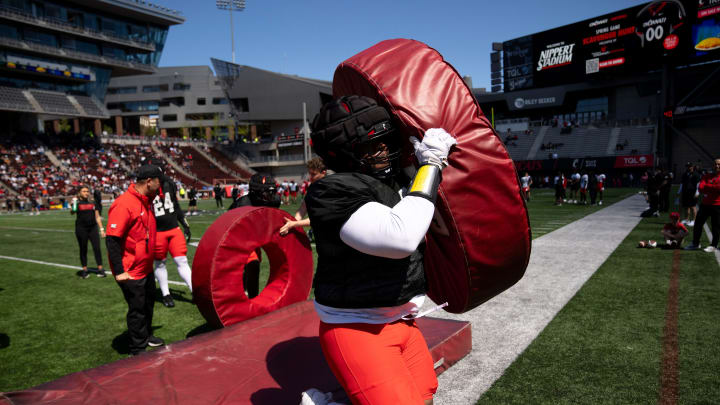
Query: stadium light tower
<point x="231" y="5"/>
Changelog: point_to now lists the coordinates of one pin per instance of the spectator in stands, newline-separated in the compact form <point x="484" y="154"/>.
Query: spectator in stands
<point x="316" y="171"/>
<point x="218" y="192"/>
<point x="688" y="191"/>
<point x="709" y="188"/>
<point x="88" y="227"/>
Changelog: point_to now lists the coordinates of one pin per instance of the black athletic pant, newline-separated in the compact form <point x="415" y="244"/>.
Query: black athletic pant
<point x="84" y="234"/>
<point x="140" y="297"/>
<point x="251" y="278"/>
<point x="219" y="202"/>
<point x="705" y="211"/>
<point x="654" y="201"/>
<point x="664" y="201"/>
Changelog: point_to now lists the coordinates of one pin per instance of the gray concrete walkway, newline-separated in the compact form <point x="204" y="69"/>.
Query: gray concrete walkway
<point x="503" y="327"/>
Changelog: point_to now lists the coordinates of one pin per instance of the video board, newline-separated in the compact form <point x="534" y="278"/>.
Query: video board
<point x="636" y="39"/>
<point x="706" y="30"/>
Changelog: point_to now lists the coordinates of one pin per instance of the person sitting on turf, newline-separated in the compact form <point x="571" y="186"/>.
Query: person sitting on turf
<point x="674" y="232"/>
<point x="261" y="193"/>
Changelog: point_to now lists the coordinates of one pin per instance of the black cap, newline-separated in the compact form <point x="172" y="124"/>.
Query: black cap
<point x="148" y="172"/>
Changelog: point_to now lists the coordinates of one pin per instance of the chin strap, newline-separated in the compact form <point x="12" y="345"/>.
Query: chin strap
<point x="426" y="182"/>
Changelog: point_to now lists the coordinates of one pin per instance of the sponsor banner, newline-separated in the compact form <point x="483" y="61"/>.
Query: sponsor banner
<point x="567" y="165"/>
<point x="632" y="40"/>
<point x="706" y="31"/>
<point x="291" y="143"/>
<point x="523" y="166"/>
<point x="622" y="162"/>
<point x="525" y="100"/>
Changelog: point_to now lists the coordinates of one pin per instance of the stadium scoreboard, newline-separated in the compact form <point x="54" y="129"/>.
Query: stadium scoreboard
<point x="633" y="40"/>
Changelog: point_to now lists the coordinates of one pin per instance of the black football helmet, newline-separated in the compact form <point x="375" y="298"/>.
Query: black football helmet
<point x="261" y="191"/>
<point x="355" y="134"/>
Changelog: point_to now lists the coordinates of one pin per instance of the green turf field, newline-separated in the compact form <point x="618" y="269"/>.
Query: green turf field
<point x="53" y="323"/>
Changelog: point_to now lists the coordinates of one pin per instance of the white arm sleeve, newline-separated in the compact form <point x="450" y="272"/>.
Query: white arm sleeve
<point x="395" y="233"/>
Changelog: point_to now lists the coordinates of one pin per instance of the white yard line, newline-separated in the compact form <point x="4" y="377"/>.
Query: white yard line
<point x="20" y="228"/>
<point x="65" y="266"/>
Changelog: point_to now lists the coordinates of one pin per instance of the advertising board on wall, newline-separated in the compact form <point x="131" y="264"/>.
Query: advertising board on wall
<point x="633" y="40"/>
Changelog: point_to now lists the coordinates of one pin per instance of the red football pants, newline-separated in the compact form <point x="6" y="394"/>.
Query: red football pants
<point x="380" y="364"/>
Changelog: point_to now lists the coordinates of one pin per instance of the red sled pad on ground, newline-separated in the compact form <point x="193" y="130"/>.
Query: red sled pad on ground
<point x="479" y="244"/>
<point x="269" y="360"/>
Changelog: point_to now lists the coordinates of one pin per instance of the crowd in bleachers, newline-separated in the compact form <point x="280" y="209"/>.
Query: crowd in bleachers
<point x="27" y="170"/>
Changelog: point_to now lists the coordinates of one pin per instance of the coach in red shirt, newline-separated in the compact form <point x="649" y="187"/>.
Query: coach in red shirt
<point x="131" y="244"/>
<point x="709" y="188"/>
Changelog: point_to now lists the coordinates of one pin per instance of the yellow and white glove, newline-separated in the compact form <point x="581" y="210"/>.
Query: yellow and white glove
<point x="434" y="148"/>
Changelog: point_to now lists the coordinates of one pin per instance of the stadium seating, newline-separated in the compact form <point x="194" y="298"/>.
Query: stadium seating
<point x="201" y="166"/>
<point x="90" y="106"/>
<point x="55" y="102"/>
<point x="225" y="161"/>
<point x="14" y="99"/>
<point x="581" y="142"/>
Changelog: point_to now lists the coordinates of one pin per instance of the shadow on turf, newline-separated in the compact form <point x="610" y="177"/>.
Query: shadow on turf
<point x="177" y="295"/>
<point x="121" y="342"/>
<point x="4" y="340"/>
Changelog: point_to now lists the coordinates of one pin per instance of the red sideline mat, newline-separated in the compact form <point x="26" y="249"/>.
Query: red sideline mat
<point x="480" y="245"/>
<point x="269" y="360"/>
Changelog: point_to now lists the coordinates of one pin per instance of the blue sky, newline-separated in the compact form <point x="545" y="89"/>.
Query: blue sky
<point x="310" y="38"/>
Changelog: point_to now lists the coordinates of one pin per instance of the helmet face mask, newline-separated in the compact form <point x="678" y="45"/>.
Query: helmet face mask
<point x="354" y="134"/>
<point x="378" y="156"/>
<point x="261" y="190"/>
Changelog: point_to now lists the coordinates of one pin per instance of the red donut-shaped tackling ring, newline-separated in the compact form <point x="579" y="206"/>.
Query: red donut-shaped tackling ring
<point x="221" y="256"/>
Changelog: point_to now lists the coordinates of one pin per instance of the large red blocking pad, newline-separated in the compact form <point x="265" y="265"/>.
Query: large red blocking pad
<point x="269" y="360"/>
<point x="479" y="243"/>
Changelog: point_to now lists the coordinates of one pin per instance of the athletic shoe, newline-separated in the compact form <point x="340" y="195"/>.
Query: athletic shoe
<point x="684" y="222"/>
<point x="669" y="242"/>
<point x="652" y="244"/>
<point x="656" y="214"/>
<point x="101" y="273"/>
<point x="692" y="247"/>
<point x="690" y="223"/>
<point x="168" y="301"/>
<point x="84" y="274"/>
<point x="154" y="341"/>
<point x="709" y="249"/>
<point x="600" y="203"/>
